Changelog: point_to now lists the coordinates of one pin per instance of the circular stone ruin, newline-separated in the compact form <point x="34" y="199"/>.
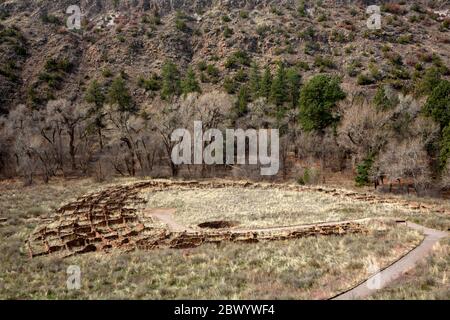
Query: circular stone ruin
<point x="115" y="219"/>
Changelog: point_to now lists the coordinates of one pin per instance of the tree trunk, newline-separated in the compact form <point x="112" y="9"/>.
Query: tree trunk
<point x="72" y="148"/>
<point x="174" y="169"/>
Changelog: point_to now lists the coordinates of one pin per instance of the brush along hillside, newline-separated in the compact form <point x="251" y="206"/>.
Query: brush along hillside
<point x="351" y="103"/>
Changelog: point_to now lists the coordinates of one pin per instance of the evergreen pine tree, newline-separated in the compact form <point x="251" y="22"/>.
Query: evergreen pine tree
<point x="96" y="97"/>
<point x="190" y="83"/>
<point x="171" y="85"/>
<point x="293" y="80"/>
<point x="318" y="100"/>
<point x="242" y="101"/>
<point x="266" y="83"/>
<point x="278" y="88"/>
<point x="254" y="80"/>
<point x="119" y="95"/>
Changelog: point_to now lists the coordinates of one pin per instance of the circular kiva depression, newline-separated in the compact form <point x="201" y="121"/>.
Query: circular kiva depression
<point x="218" y="224"/>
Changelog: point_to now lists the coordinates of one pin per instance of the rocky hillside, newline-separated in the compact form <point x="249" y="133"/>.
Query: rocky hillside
<point x="42" y="60"/>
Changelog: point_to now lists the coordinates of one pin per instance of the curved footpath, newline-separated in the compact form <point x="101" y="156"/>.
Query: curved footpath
<point x="376" y="282"/>
<point x="398" y="268"/>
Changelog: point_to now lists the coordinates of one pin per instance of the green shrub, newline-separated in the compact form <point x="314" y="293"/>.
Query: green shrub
<point x="382" y="101"/>
<point x="151" y="84"/>
<point x="364" y="79"/>
<point x="240" y="76"/>
<point x="353" y="68"/>
<point x="181" y="25"/>
<point x="301" y="9"/>
<point x="363" y="171"/>
<point x="56" y="65"/>
<point x="311" y="47"/>
<point x="227" y="32"/>
<point x="50" y="19"/>
<point x="405" y="39"/>
<point x="303" y="65"/>
<point x="213" y="72"/>
<point x="396" y="59"/>
<point x="417" y="8"/>
<point x="95" y="95"/>
<point x="309" y="176"/>
<point x="20" y="50"/>
<point x="8" y="71"/>
<point x="324" y="62"/>
<point x="322" y="17"/>
<point x="226" y="19"/>
<point x="202" y="65"/>
<point x="430" y="80"/>
<point x="106" y="73"/>
<point x="230" y="85"/>
<point x="243" y="14"/>
<point x="238" y="58"/>
<point x="262" y="30"/>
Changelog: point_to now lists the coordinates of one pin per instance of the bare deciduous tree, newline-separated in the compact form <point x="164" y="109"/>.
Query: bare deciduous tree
<point x="66" y="119"/>
<point x="406" y="161"/>
<point x="363" y="130"/>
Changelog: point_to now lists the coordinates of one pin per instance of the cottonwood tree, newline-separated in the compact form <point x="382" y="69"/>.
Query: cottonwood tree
<point x="122" y="143"/>
<point x="406" y="161"/>
<point x="164" y="120"/>
<point x="213" y="110"/>
<point x="66" y="118"/>
<point x="6" y="160"/>
<point x="31" y="152"/>
<point x="363" y="130"/>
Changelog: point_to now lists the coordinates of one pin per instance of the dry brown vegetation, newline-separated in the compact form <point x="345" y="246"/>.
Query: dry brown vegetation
<point x="307" y="268"/>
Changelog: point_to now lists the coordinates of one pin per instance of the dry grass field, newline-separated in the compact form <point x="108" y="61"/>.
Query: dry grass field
<point x="306" y="268"/>
<point x="274" y="207"/>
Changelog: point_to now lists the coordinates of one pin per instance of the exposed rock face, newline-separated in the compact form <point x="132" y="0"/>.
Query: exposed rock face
<point x="137" y="36"/>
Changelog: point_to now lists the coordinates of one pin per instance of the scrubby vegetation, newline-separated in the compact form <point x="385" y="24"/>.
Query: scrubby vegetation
<point x="345" y="100"/>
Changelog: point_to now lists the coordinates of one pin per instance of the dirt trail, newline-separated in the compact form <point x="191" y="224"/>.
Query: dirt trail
<point x="385" y="277"/>
<point x="165" y="215"/>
